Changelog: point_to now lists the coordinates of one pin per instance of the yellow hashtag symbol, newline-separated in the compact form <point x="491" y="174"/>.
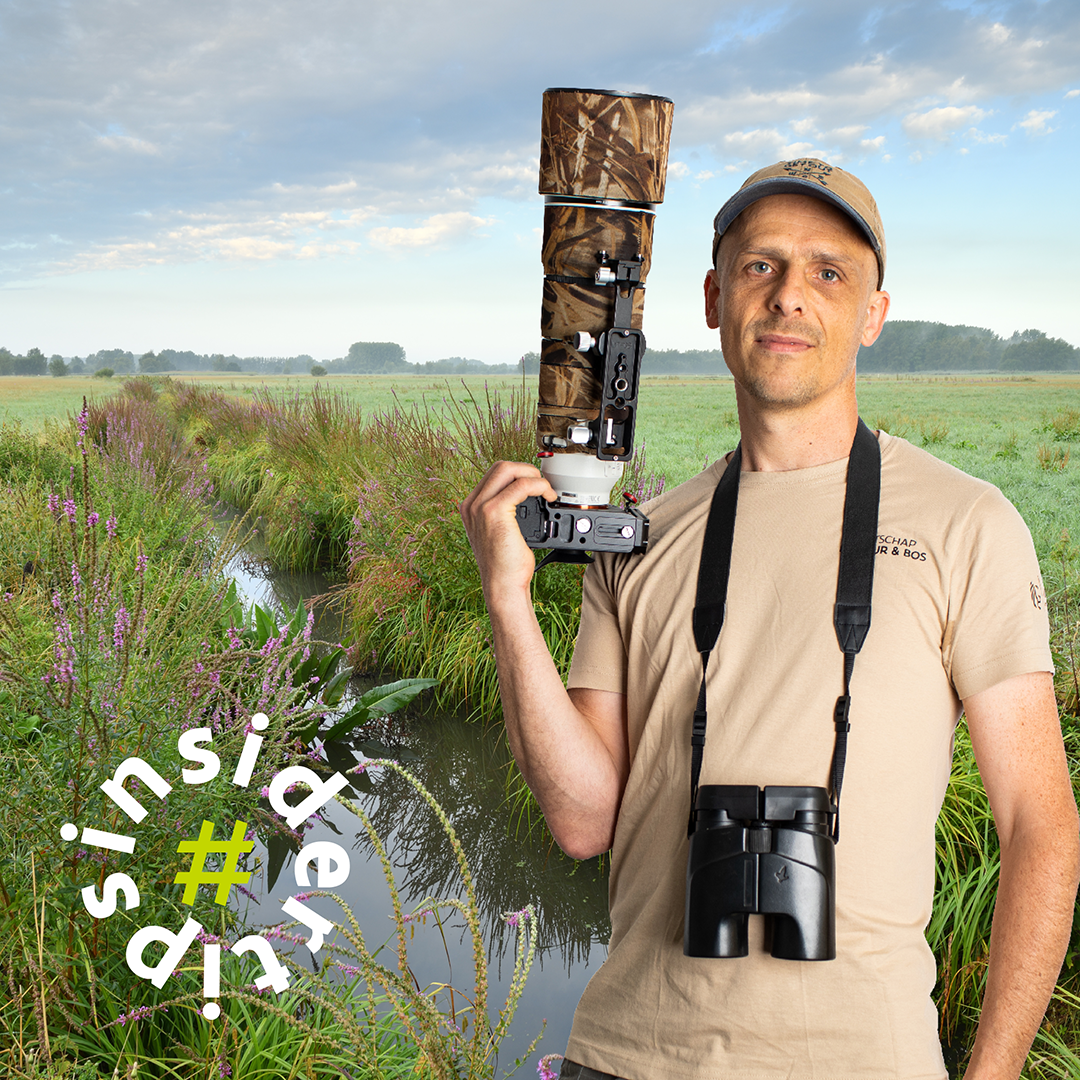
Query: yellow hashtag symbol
<point x="224" y="878"/>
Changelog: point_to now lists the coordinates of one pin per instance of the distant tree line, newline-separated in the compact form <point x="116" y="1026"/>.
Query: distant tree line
<point x="904" y="346"/>
<point x="388" y="358"/>
<point x="909" y="345"/>
<point x="122" y="362"/>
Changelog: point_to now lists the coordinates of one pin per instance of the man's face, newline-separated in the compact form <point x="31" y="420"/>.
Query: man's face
<point x="794" y="296"/>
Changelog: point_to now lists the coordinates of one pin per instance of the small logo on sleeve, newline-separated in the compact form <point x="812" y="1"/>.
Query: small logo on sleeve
<point x="1037" y="596"/>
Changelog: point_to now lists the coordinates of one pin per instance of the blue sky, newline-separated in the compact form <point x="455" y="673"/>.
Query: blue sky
<point x="276" y="178"/>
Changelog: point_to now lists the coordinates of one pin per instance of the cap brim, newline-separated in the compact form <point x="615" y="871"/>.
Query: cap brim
<point x="789" y="185"/>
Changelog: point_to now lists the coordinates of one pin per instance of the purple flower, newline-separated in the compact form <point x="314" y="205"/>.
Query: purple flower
<point x="136" y="1014"/>
<point x="120" y="627"/>
<point x="54" y="503"/>
<point x="543" y="1066"/>
<point x="110" y="525"/>
<point x="92" y="518"/>
<point x="140" y="564"/>
<point x="70" y="510"/>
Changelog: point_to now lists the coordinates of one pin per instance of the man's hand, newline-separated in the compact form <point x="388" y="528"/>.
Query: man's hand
<point x="506" y="561"/>
<point x="1017" y="741"/>
<point x="572" y="749"/>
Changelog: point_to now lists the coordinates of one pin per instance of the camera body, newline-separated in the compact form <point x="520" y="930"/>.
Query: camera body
<point x="766" y="852"/>
<point x="571" y="529"/>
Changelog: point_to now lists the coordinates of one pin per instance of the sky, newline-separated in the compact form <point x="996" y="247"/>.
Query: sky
<point x="281" y="177"/>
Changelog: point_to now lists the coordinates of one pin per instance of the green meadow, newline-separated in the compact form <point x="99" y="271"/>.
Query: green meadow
<point x="361" y="476"/>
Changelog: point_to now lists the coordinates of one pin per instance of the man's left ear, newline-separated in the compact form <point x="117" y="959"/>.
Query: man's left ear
<point x="875" y="317"/>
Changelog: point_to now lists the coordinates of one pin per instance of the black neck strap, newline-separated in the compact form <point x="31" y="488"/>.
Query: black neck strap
<point x="854" y="587"/>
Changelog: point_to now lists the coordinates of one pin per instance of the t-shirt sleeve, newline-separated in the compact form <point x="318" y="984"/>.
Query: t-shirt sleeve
<point x="997" y="624"/>
<point x="599" y="655"/>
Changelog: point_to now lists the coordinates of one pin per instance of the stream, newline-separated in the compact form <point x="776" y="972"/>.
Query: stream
<point x="464" y="766"/>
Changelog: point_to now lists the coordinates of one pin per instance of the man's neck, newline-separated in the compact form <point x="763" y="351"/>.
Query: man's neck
<point x="775" y="440"/>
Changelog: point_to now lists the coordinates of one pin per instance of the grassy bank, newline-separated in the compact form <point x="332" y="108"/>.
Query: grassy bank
<point x="368" y="487"/>
<point x="119" y="636"/>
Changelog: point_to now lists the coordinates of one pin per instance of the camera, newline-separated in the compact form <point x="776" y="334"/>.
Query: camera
<point x="564" y="528"/>
<point x="603" y="166"/>
<point x="757" y="851"/>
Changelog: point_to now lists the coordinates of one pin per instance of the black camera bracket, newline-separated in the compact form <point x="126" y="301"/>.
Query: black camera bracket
<point x="621" y="349"/>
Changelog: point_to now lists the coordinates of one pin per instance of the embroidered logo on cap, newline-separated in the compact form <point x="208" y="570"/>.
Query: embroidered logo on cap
<point x="808" y="169"/>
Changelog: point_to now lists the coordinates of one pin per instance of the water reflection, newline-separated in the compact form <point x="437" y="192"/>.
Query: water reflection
<point x="464" y="766"/>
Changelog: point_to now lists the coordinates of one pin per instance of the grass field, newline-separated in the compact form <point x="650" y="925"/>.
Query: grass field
<point x="364" y="475"/>
<point x="992" y="427"/>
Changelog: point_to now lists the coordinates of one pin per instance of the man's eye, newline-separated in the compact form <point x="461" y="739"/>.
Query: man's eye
<point x="761" y="268"/>
<point x="830" y="275"/>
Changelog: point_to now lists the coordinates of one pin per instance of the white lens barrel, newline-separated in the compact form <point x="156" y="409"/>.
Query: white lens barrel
<point x="581" y="479"/>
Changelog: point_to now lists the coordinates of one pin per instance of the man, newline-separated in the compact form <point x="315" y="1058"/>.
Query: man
<point x="958" y="621"/>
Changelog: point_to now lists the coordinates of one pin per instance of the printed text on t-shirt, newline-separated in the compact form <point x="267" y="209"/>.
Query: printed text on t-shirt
<point x="900" y="546"/>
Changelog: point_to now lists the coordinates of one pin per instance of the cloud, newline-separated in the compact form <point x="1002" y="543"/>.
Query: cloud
<point x="1072" y="94"/>
<point x="678" y="170"/>
<point x="437" y="229"/>
<point x="218" y="237"/>
<point x="764" y="143"/>
<point x="1035" y="121"/>
<point x="129" y="143"/>
<point x="940" y="123"/>
<point x="250" y="112"/>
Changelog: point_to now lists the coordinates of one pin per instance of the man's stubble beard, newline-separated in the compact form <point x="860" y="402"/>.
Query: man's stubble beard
<point x="761" y="388"/>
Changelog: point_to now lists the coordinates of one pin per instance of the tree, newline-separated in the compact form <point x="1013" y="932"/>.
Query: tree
<point x="375" y="358"/>
<point x="117" y="359"/>
<point x="57" y="367"/>
<point x="1032" y="350"/>
<point x="150" y="364"/>
<point x="317" y="370"/>
<point x="33" y="363"/>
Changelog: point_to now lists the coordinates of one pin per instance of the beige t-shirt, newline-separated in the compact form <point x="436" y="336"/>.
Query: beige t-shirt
<point x="958" y="606"/>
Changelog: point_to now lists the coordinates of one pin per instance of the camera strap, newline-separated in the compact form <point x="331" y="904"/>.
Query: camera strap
<point x="854" y="587"/>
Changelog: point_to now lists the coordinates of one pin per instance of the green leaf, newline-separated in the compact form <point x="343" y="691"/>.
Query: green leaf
<point x="335" y="688"/>
<point x="379" y="701"/>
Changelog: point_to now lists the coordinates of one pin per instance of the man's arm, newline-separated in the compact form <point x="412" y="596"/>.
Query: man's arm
<point x="571" y="747"/>
<point x="1017" y="741"/>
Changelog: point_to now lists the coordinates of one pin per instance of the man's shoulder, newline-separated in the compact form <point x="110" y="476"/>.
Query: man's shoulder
<point x="903" y="463"/>
<point x="940" y="495"/>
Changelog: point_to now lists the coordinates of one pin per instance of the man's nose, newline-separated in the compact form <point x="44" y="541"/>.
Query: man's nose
<point x="788" y="296"/>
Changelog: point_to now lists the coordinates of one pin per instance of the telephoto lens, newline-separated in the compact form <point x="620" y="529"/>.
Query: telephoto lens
<point x="603" y="165"/>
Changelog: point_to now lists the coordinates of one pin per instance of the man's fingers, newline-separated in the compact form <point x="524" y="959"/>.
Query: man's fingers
<point x="506" y="483"/>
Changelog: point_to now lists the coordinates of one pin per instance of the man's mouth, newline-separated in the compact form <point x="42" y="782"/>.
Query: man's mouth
<point x="782" y="343"/>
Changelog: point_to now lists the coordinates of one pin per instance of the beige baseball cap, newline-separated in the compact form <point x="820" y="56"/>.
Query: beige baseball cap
<point x="808" y="176"/>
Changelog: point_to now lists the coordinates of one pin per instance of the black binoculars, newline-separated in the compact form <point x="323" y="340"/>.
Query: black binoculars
<point x="757" y="851"/>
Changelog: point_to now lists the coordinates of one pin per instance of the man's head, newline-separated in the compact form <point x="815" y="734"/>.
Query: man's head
<point x="808" y="176"/>
<point x="795" y="286"/>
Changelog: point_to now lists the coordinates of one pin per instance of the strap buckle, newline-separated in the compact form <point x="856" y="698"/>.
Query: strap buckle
<point x="841" y="714"/>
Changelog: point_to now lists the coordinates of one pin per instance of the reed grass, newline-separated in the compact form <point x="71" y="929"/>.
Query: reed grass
<point x="383" y="490"/>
